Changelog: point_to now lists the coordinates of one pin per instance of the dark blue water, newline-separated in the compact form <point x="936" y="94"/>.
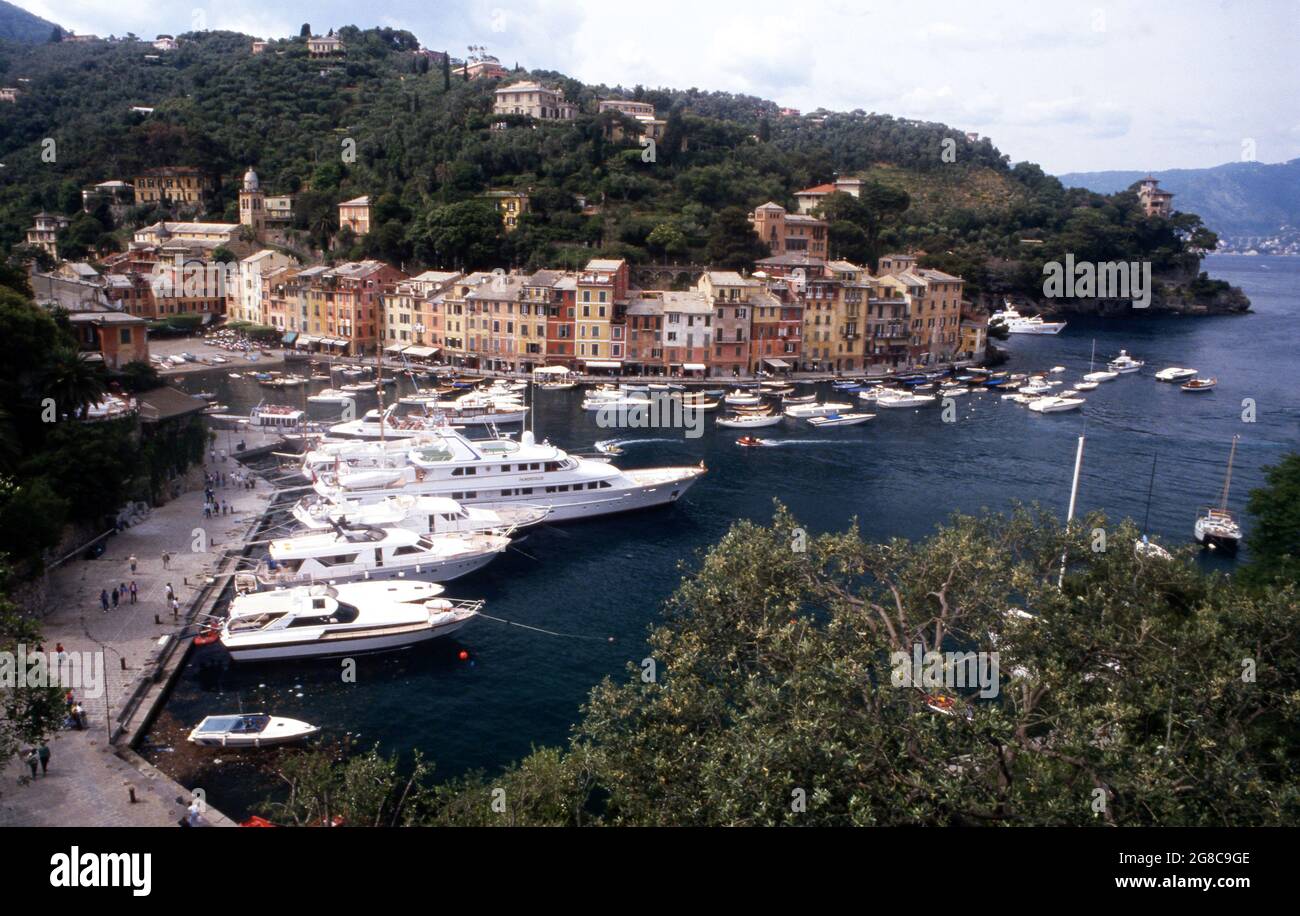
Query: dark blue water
<point x="900" y="474"/>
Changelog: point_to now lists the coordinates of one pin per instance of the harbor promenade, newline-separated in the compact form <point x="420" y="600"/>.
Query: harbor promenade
<point x="90" y="779"/>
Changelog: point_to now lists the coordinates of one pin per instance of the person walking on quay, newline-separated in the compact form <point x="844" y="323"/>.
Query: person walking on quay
<point x="167" y="559"/>
<point x="176" y="607"/>
<point x="115" y="599"/>
<point x="171" y="593"/>
<point x="32" y="760"/>
<point x="43" y="753"/>
<point x="134" y="592"/>
<point x="131" y="559"/>
<point x="121" y="590"/>
<point x="103" y="599"/>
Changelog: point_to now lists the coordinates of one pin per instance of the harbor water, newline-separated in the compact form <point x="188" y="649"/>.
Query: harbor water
<point x="600" y="583"/>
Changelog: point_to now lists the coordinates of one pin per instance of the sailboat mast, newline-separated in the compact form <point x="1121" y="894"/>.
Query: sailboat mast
<point x="1146" y="519"/>
<point x="1069" y="516"/>
<point x="1227" y="480"/>
<point x="379" y="390"/>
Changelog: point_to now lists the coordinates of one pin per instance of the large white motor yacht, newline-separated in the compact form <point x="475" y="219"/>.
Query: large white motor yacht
<point x="324" y="620"/>
<point x="351" y="553"/>
<point x="1020" y="324"/>
<point x="502" y="472"/>
<point x="421" y="514"/>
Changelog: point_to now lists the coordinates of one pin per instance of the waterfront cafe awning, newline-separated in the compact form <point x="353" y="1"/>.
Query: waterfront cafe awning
<point x="421" y="352"/>
<point x="305" y="340"/>
<point x="693" y="367"/>
<point x="777" y="363"/>
<point x="395" y="348"/>
<point x="289" y="337"/>
<point x="603" y="363"/>
<point x="550" y="370"/>
<point x="333" y="342"/>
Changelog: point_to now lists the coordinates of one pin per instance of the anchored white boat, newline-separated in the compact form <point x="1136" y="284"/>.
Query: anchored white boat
<point x="1021" y="324"/>
<point x="321" y="620"/>
<point x="351" y="553"/>
<point x="1175" y="374"/>
<point x="749" y="421"/>
<point x="1215" y="526"/>
<point x="1086" y="386"/>
<point x="1125" y="364"/>
<point x="501" y="472"/>
<point x="1036" y="385"/>
<point x="891" y="399"/>
<point x="421" y="514"/>
<point x="804" y="411"/>
<point x="839" y="419"/>
<point x="741" y="398"/>
<point x="256" y="730"/>
<point x="1054" y="404"/>
<point x="1200" y="384"/>
<point x="331" y="396"/>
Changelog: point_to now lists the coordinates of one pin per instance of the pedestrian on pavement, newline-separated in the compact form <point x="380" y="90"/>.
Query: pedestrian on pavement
<point x="79" y="717"/>
<point x="171" y="593"/>
<point x="115" y="599"/>
<point x="44" y="754"/>
<point x="134" y="592"/>
<point x="103" y="599"/>
<point x="32" y="760"/>
<point x="167" y="560"/>
<point x="176" y="607"/>
<point x="132" y="561"/>
<point x="121" y="590"/>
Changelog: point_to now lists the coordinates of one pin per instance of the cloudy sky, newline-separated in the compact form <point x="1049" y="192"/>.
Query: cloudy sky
<point x="1074" y="86"/>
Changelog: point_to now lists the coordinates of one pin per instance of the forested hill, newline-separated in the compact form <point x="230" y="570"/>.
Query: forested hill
<point x="16" y="24"/>
<point x="426" y="147"/>
<point x="1237" y="198"/>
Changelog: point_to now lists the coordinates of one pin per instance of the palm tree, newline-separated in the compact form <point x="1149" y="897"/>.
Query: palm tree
<point x="73" y="382"/>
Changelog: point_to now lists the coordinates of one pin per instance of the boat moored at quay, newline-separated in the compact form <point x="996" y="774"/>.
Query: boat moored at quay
<point x="502" y="472"/>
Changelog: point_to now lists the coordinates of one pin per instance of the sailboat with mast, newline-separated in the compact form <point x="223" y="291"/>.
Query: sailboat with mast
<point x="1216" y="528"/>
<point x="1094" y="378"/>
<point x="1145" y="547"/>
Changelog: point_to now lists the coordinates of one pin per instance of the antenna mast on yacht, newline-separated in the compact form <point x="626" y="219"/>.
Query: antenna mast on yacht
<point x="1227" y="481"/>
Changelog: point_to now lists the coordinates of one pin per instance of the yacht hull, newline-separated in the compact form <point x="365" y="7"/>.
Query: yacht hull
<point x="343" y="643"/>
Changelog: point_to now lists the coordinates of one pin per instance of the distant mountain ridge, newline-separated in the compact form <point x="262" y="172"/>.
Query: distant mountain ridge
<point x="16" y="24"/>
<point x="1234" y="199"/>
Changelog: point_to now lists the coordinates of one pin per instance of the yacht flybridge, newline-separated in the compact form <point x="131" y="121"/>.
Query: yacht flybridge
<point x="322" y="620"/>
<point x="387" y="425"/>
<point x="499" y="472"/>
<point x="350" y="553"/>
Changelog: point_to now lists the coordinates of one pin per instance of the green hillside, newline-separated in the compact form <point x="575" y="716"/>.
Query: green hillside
<point x="16" y="24"/>
<point x="425" y="148"/>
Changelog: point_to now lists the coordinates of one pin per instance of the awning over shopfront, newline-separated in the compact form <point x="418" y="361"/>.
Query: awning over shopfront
<point x="603" y="363"/>
<point x="305" y="340"/>
<point x="421" y="352"/>
<point x="550" y="370"/>
<point x="395" y="348"/>
<point x="777" y="363"/>
<point x="289" y="338"/>
<point x="693" y="367"/>
<point x="334" y="342"/>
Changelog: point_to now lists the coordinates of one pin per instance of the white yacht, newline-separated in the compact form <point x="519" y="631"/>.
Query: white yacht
<point x="902" y="399"/>
<point x="257" y="730"/>
<point x="1125" y="364"/>
<point x="421" y="514"/>
<point x="1019" y="324"/>
<point x="1036" y="385"/>
<point x="839" y="419"/>
<point x="1054" y="404"/>
<point x="1175" y="374"/>
<point x="1101" y="375"/>
<point x="502" y="472"/>
<point x="750" y="421"/>
<point x="331" y="396"/>
<point x="323" y="620"/>
<point x="351" y="553"/>
<point x="388" y="425"/>
<point x="804" y="411"/>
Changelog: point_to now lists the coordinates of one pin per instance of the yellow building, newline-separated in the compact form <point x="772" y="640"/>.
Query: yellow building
<point x="510" y="204"/>
<point x="172" y="186"/>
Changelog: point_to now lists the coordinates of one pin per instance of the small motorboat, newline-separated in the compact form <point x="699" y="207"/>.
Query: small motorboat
<point x="1148" y="549"/>
<point x="804" y="411"/>
<point x="609" y="447"/>
<point x="259" y="730"/>
<point x="753" y="442"/>
<point x="1175" y="374"/>
<point x="1057" y="370"/>
<point x="741" y="398"/>
<point x="1199" y="384"/>
<point x="839" y="419"/>
<point x="799" y="399"/>
<point x="750" y="421"/>
<point x="1125" y="364"/>
<point x="1086" y="386"/>
<point x="1102" y="376"/>
<point x="330" y="396"/>
<point x="235" y="375"/>
<point x="1054" y="404"/>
